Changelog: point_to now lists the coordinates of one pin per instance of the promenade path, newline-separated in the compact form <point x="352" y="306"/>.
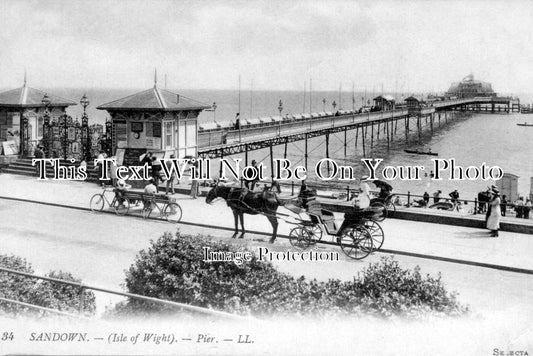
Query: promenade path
<point x="98" y="248"/>
<point x="74" y="240"/>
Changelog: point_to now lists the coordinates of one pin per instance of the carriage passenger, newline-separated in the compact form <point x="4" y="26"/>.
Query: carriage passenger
<point x="364" y="194"/>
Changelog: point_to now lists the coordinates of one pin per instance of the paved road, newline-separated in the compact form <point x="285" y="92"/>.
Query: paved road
<point x="99" y="247"/>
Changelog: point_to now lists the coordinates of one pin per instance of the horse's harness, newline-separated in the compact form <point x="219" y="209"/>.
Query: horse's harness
<point x="269" y="201"/>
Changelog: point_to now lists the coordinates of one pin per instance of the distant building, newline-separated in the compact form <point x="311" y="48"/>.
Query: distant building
<point x="469" y="88"/>
<point x="384" y="102"/>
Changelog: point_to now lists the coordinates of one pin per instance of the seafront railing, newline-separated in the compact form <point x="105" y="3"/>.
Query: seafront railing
<point x="407" y="200"/>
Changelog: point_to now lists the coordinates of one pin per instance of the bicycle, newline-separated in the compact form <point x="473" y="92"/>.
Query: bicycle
<point x="98" y="201"/>
<point x="169" y="209"/>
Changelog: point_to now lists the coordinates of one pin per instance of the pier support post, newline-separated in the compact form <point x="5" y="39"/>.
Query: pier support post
<point x="345" y="140"/>
<point x="271" y="165"/>
<point x="406" y="128"/>
<point x="363" y="138"/>
<point x="306" y="155"/>
<point x="388" y="134"/>
<point x="220" y="169"/>
<point x="431" y="123"/>
<point x="327" y="150"/>
<point x="372" y="136"/>
<point x="418" y="126"/>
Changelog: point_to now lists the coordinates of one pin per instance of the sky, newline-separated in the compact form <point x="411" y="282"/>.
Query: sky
<point x="403" y="46"/>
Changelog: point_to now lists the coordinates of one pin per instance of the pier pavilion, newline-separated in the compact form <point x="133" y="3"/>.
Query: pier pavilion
<point x="468" y="87"/>
<point x="154" y="120"/>
<point x="22" y="113"/>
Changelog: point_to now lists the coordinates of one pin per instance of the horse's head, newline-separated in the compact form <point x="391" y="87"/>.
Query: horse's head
<point x="212" y="195"/>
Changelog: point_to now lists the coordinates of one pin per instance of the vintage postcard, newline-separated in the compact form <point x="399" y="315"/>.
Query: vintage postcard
<point x="266" y="177"/>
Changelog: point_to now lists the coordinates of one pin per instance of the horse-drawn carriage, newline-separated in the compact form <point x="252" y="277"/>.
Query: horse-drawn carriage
<point x="358" y="235"/>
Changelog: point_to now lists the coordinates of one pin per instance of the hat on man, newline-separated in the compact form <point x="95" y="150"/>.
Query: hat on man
<point x="121" y="183"/>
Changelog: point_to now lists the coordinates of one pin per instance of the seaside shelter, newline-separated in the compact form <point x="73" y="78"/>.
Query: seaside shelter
<point x="155" y="120"/>
<point x="22" y="112"/>
<point x="384" y="102"/>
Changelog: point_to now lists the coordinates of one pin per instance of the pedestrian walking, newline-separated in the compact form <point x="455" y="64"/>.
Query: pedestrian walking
<point x="113" y="171"/>
<point x="454" y="196"/>
<point x="436" y="196"/>
<point x="39" y="154"/>
<point x="100" y="164"/>
<point x="426" y="198"/>
<point x="519" y="207"/>
<point x="170" y="182"/>
<point x="503" y="205"/>
<point x="156" y="171"/>
<point x="527" y="208"/>
<point x="250" y="183"/>
<point x="195" y="185"/>
<point x="493" y="221"/>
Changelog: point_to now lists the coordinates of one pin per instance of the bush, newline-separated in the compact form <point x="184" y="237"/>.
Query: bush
<point x="39" y="292"/>
<point x="173" y="269"/>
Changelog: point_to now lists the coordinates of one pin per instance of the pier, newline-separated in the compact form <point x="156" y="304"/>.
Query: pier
<point x="222" y="142"/>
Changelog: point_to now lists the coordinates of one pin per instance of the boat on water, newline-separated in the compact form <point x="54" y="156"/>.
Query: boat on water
<point x="524" y="124"/>
<point x="418" y="152"/>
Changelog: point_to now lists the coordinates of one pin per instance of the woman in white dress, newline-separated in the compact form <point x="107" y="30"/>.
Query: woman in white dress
<point x="493" y="222"/>
<point x="364" y="195"/>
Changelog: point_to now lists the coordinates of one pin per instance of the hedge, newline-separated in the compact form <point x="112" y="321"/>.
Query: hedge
<point x="39" y="292"/>
<point x="172" y="268"/>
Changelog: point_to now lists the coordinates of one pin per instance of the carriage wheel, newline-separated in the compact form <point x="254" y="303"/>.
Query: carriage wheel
<point x="300" y="237"/>
<point x="356" y="242"/>
<point x="122" y="209"/>
<point x="173" y="212"/>
<point x="97" y="203"/>
<point x="375" y="230"/>
<point x="315" y="233"/>
<point x="382" y="213"/>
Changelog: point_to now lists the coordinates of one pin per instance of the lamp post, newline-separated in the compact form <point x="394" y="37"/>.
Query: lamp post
<point x="86" y="154"/>
<point x="214" y="106"/>
<point x="324" y="105"/>
<point x="280" y="109"/>
<point x="46" y="124"/>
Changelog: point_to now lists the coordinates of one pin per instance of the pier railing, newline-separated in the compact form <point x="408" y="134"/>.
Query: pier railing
<point x="288" y="127"/>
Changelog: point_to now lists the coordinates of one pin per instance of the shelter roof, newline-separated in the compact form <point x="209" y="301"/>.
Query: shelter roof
<point x="385" y="97"/>
<point x="155" y="99"/>
<point x="415" y="97"/>
<point x="30" y="97"/>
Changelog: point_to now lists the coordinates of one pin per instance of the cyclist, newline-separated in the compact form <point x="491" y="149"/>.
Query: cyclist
<point x="120" y="191"/>
<point x="149" y="189"/>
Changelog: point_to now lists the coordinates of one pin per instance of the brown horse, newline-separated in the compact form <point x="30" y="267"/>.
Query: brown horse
<point x="242" y="201"/>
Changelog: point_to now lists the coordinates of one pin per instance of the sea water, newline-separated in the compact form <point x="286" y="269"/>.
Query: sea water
<point x="493" y="139"/>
